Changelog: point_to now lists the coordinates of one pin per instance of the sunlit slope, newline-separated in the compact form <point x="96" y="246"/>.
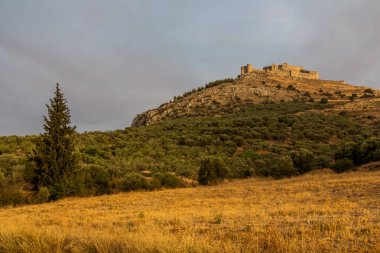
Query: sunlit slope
<point x="254" y="88"/>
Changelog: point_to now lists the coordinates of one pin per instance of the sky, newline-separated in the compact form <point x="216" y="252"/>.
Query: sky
<point x="117" y="58"/>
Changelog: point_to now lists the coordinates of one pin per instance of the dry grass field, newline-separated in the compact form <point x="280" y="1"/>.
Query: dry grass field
<point x="320" y="212"/>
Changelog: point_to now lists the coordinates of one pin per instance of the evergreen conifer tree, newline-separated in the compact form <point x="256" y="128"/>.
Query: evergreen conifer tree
<point x="54" y="155"/>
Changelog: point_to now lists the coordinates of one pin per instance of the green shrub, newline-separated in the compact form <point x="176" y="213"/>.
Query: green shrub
<point x="239" y="141"/>
<point x="185" y="170"/>
<point x="353" y="96"/>
<point x="211" y="171"/>
<point x="168" y="179"/>
<point x="10" y="196"/>
<point x="42" y="195"/>
<point x="217" y="82"/>
<point x="368" y="151"/>
<point x="303" y="160"/>
<point x="134" y="181"/>
<point x="7" y="163"/>
<point x="230" y="147"/>
<point x="218" y="219"/>
<point x="68" y="185"/>
<point x="238" y="168"/>
<point x="275" y="166"/>
<point x="4" y="149"/>
<point x="3" y="180"/>
<point x="282" y="167"/>
<point x="323" y="161"/>
<point x="360" y="152"/>
<point x="97" y="179"/>
<point x="343" y="165"/>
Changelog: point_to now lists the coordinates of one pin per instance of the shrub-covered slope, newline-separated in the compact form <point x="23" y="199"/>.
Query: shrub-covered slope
<point x="273" y="139"/>
<point x="256" y="125"/>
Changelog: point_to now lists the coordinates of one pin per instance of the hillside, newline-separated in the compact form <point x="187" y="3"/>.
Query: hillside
<point x="252" y="88"/>
<point x="321" y="212"/>
<point x="289" y="132"/>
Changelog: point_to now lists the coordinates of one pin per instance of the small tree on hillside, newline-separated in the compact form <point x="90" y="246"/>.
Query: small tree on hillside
<point x="54" y="153"/>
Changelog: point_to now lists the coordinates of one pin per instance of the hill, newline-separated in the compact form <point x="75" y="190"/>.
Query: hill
<point x="252" y="88"/>
<point x="320" y="212"/>
<point x="301" y="125"/>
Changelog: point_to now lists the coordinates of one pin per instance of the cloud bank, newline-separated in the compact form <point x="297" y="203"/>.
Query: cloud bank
<point x="116" y="58"/>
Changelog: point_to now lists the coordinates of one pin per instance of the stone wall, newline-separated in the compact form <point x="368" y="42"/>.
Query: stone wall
<point x="282" y="70"/>
<point x="309" y="75"/>
<point x="291" y="70"/>
<point x="249" y="69"/>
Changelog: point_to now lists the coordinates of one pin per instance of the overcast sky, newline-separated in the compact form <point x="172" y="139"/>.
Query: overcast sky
<point x="116" y="58"/>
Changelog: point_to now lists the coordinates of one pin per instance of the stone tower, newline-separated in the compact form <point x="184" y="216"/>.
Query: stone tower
<point x="246" y="69"/>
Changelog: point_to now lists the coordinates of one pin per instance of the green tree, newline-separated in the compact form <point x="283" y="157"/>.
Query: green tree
<point x="54" y="156"/>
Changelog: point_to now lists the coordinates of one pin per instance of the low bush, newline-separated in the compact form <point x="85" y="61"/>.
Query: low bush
<point x="343" y="165"/>
<point x="11" y="196"/>
<point x="361" y="151"/>
<point x="275" y="166"/>
<point x="211" y="171"/>
<point x="167" y="179"/>
<point x="42" y="195"/>
<point x="303" y="160"/>
<point x="134" y="181"/>
<point x="97" y="179"/>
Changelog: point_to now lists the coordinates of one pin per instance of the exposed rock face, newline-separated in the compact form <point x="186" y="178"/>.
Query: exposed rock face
<point x="256" y="87"/>
<point x="141" y="119"/>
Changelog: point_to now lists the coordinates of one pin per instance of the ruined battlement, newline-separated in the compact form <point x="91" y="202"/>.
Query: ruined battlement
<point x="282" y="70"/>
<point x="249" y="69"/>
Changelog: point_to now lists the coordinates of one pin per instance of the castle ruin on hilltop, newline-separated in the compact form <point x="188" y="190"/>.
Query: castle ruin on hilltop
<point x="282" y="70"/>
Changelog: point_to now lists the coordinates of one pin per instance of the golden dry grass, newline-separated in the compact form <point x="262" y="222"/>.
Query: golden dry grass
<point x="320" y="212"/>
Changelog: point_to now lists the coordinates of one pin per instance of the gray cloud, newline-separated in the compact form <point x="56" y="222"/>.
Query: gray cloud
<point x="116" y="58"/>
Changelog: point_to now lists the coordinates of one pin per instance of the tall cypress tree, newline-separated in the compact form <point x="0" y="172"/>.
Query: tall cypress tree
<point x="54" y="155"/>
